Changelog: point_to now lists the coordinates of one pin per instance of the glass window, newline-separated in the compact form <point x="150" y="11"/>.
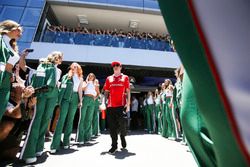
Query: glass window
<point x="1" y="9"/>
<point x="13" y="3"/>
<point x="98" y="1"/>
<point x="35" y="3"/>
<point x="30" y="17"/>
<point x="134" y="3"/>
<point x="28" y="34"/>
<point x="23" y="45"/>
<point x="11" y="12"/>
<point x="151" y="4"/>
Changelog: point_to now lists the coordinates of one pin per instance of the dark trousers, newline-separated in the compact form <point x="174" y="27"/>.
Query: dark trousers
<point x="134" y="119"/>
<point x="117" y="123"/>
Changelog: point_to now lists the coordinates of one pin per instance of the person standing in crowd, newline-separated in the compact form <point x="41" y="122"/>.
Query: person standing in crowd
<point x="47" y="74"/>
<point x="168" y="110"/>
<point x="177" y="98"/>
<point x="134" y="113"/>
<point x="117" y="86"/>
<point x="163" y="114"/>
<point x="8" y="58"/>
<point x="157" y="100"/>
<point x="70" y="98"/>
<point x="91" y="91"/>
<point x="149" y="111"/>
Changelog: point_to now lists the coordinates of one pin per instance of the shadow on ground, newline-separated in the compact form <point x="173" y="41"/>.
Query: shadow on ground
<point x="124" y="153"/>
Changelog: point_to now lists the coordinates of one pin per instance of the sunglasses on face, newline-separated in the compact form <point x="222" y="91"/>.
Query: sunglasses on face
<point x="116" y="65"/>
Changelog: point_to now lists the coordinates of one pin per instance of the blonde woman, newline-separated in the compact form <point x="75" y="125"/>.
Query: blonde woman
<point x="70" y="98"/>
<point x="8" y="58"/>
<point x="91" y="91"/>
<point x="47" y="74"/>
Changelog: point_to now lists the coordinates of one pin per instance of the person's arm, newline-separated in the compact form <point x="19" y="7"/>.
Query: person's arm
<point x="84" y="85"/>
<point x="128" y="99"/>
<point x="97" y="88"/>
<point x="80" y="93"/>
<point x="22" y="61"/>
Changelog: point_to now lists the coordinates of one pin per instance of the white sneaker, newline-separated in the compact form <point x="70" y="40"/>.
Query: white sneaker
<point x="65" y="147"/>
<point x="38" y="154"/>
<point x="82" y="142"/>
<point x="30" y="160"/>
<point x="53" y="151"/>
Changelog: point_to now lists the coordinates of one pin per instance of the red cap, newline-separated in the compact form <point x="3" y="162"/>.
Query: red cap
<point x="116" y="63"/>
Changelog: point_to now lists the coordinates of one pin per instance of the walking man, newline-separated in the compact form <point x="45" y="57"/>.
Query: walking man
<point x="117" y="89"/>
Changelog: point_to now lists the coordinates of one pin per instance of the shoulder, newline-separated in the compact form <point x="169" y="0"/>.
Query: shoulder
<point x="110" y="78"/>
<point x="124" y="76"/>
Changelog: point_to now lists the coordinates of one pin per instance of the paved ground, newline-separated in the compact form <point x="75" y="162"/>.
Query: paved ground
<point x="142" y="149"/>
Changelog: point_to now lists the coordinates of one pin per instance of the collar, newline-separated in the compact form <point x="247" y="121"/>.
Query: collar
<point x="6" y="40"/>
<point x="117" y="75"/>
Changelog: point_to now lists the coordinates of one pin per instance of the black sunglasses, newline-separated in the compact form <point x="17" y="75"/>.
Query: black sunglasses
<point x="116" y="65"/>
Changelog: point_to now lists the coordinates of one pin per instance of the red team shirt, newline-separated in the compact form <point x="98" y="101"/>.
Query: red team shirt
<point x="117" y="85"/>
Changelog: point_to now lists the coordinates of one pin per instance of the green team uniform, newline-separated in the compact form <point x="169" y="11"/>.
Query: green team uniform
<point x="45" y="75"/>
<point x="95" y="122"/>
<point x="168" y="118"/>
<point x="149" y="111"/>
<point x="158" y="113"/>
<point x="85" y="120"/>
<point x="5" y="76"/>
<point x="68" y="100"/>
<point x="164" y="115"/>
<point x="195" y="128"/>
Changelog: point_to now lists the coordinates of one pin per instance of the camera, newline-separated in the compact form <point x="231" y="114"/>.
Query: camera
<point x="41" y="89"/>
<point x="29" y="50"/>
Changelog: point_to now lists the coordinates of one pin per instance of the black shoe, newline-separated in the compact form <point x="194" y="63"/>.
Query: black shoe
<point x="112" y="150"/>
<point x="123" y="141"/>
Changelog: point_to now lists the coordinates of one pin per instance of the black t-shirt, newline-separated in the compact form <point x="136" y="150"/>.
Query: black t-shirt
<point x="24" y="74"/>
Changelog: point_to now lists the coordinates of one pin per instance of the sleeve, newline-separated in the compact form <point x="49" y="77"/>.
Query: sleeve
<point x="127" y="84"/>
<point x="106" y="85"/>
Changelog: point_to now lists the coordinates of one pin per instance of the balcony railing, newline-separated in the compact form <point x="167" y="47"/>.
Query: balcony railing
<point x="105" y="40"/>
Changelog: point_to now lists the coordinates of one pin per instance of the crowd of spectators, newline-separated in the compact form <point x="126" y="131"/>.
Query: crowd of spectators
<point x="106" y="37"/>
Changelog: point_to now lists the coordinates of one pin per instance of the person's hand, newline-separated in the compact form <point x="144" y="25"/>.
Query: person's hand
<point x="127" y="107"/>
<point x="80" y="104"/>
<point x="28" y="91"/>
<point x="24" y="53"/>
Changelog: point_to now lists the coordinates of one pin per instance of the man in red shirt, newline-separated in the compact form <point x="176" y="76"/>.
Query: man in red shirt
<point x="117" y="89"/>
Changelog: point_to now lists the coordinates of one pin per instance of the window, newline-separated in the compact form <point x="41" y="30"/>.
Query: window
<point x="151" y="4"/>
<point x="23" y="45"/>
<point x="30" y="17"/>
<point x="1" y="9"/>
<point x="134" y="3"/>
<point x="27" y="34"/>
<point x="14" y="3"/>
<point x="35" y="3"/>
<point x="11" y="12"/>
<point x="98" y="1"/>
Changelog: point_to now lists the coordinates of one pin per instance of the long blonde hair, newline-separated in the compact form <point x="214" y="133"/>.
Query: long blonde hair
<point x="7" y="26"/>
<point x="54" y="55"/>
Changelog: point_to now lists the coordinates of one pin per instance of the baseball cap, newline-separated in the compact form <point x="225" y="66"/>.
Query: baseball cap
<point x="114" y="63"/>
